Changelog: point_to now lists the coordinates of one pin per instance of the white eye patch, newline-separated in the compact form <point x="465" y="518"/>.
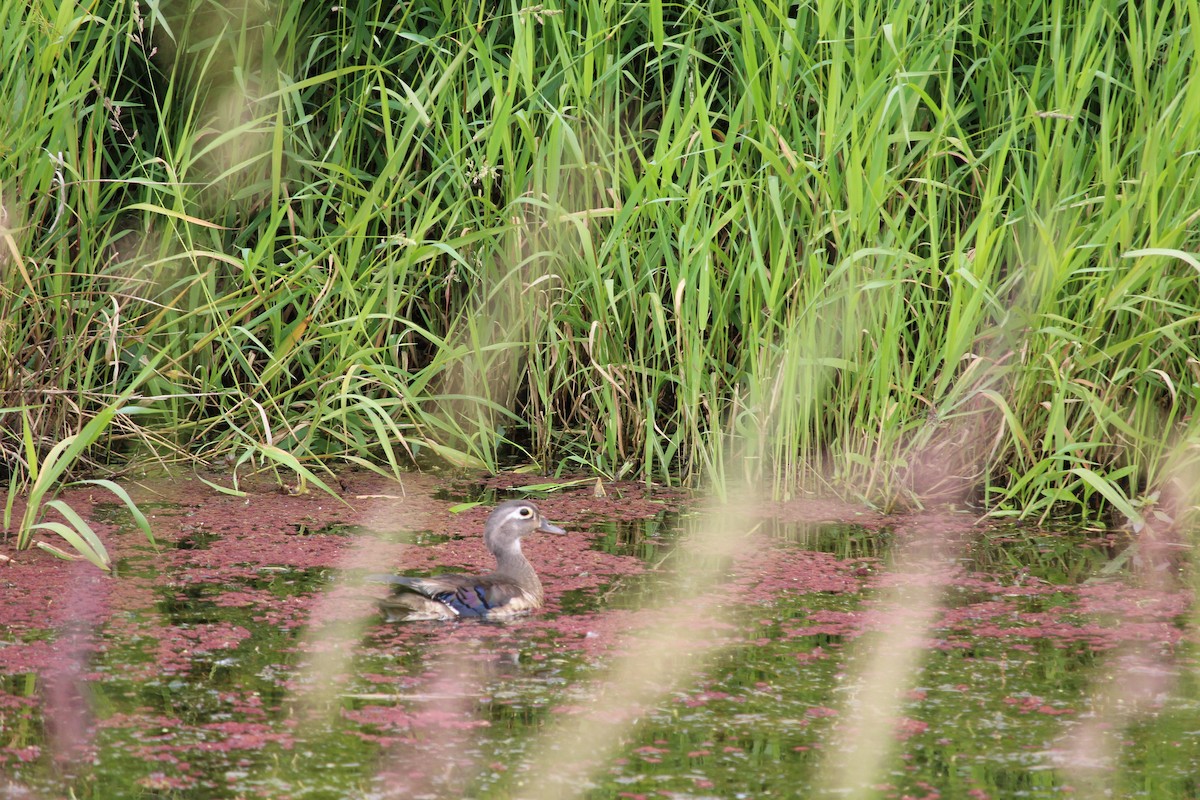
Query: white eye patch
<point x="518" y="513"/>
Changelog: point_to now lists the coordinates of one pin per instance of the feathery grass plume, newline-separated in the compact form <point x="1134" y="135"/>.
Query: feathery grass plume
<point x="442" y="761"/>
<point x="339" y="617"/>
<point x="1141" y="676"/>
<point x="680" y="638"/>
<point x="883" y="667"/>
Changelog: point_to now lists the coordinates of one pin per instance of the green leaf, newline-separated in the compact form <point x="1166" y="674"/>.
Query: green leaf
<point x="73" y="538"/>
<point x="138" y="517"/>
<point x="223" y="489"/>
<point x="285" y="458"/>
<point x="1111" y="493"/>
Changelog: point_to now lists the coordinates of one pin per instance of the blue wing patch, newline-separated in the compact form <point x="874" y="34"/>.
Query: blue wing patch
<point x="467" y="601"/>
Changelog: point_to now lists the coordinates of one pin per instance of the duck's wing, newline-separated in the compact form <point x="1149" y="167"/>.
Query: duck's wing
<point x="403" y="605"/>
<point x="461" y="596"/>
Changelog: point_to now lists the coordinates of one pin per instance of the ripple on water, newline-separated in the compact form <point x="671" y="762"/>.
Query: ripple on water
<point x="192" y="668"/>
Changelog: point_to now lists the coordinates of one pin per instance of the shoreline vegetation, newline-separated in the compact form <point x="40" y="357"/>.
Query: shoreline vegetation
<point x="898" y="251"/>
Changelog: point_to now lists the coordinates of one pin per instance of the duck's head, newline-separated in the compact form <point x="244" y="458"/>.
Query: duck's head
<point x="513" y="520"/>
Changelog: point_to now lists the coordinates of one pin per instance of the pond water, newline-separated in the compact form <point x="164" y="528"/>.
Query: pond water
<point x="243" y="657"/>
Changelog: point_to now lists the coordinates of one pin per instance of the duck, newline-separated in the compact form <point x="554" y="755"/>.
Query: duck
<point x="512" y="589"/>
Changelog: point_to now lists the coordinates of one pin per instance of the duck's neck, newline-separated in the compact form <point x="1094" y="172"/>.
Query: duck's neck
<point x="511" y="565"/>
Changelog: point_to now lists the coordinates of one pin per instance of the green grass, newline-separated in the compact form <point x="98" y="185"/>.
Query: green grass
<point x="894" y="250"/>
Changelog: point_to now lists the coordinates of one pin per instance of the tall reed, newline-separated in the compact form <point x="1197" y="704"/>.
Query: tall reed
<point x="617" y="238"/>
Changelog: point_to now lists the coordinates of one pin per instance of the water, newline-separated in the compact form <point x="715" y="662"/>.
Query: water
<point x="192" y="674"/>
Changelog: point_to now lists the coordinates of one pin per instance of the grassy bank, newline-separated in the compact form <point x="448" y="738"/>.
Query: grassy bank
<point x="896" y="250"/>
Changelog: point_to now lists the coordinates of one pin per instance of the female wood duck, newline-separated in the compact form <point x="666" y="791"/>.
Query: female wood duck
<point x="513" y="588"/>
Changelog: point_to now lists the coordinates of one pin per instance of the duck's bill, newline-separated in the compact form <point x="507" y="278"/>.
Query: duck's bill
<point x="550" y="527"/>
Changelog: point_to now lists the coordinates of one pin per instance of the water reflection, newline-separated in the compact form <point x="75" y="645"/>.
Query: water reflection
<point x="190" y="688"/>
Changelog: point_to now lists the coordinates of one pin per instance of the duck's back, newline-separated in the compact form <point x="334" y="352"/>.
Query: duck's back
<point x="456" y="596"/>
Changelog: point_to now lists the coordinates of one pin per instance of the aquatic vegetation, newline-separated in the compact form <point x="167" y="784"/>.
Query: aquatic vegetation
<point x="897" y="253"/>
<point x="46" y="476"/>
<point x="245" y="657"/>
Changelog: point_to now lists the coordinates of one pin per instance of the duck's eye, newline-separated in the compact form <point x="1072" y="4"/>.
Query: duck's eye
<point x="526" y="511"/>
